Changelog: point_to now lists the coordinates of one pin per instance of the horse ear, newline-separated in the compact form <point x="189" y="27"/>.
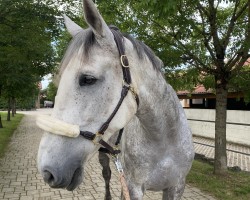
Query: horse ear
<point x="71" y="26"/>
<point x="94" y="19"/>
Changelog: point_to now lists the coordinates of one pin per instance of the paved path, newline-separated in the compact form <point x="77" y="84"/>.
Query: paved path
<point x="20" y="180"/>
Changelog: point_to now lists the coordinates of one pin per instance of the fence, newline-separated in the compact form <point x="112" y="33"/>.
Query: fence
<point x="202" y="123"/>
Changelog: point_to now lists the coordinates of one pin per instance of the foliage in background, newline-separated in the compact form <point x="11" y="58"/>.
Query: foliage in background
<point x="29" y="33"/>
<point x="180" y="34"/>
<point x="51" y="91"/>
<point x="25" y="103"/>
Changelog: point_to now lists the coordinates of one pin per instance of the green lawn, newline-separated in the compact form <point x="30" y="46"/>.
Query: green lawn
<point x="233" y="186"/>
<point x="8" y="128"/>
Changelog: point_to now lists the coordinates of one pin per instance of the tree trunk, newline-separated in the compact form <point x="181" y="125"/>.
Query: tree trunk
<point x="1" y="124"/>
<point x="220" y="160"/>
<point x="13" y="106"/>
<point x="9" y="108"/>
<point x="38" y="100"/>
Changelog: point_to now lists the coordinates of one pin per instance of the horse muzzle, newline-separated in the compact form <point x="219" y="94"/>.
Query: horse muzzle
<point x="69" y="180"/>
<point x="60" y="165"/>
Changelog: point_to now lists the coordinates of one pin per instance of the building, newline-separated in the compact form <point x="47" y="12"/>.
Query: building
<point x="200" y="111"/>
<point x="205" y="99"/>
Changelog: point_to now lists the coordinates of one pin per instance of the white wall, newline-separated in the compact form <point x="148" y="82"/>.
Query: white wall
<point x="202" y="123"/>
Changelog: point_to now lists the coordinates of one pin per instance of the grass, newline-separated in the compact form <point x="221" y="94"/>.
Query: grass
<point x="232" y="186"/>
<point x="8" y="128"/>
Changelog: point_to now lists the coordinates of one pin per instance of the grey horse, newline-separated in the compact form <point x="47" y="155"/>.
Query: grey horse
<point x="156" y="145"/>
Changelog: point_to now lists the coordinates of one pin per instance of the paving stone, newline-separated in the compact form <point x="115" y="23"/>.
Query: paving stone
<point x="26" y="198"/>
<point x="8" y="189"/>
<point x="11" y="196"/>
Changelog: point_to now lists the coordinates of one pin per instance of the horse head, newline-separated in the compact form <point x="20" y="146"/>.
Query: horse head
<point x="91" y="81"/>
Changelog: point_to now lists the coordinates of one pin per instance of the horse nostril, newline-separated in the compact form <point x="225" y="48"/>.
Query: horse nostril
<point x="51" y="178"/>
<point x="48" y="177"/>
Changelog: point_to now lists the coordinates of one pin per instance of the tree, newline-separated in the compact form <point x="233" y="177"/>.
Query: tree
<point x="25" y="45"/>
<point x="28" y="29"/>
<point x="204" y="42"/>
<point x="51" y="91"/>
<point x="1" y="124"/>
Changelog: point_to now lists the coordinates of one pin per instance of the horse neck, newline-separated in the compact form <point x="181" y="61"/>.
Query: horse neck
<point x="159" y="110"/>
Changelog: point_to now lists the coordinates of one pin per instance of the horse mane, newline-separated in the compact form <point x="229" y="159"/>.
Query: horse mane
<point x="139" y="46"/>
<point x="87" y="40"/>
<point x="143" y="48"/>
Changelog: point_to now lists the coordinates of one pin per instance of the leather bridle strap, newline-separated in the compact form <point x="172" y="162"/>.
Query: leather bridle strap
<point x="105" y="125"/>
<point x="124" y="60"/>
<point x="118" y="37"/>
<point x="97" y="137"/>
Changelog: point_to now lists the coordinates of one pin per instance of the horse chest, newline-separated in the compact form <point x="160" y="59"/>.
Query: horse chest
<point x="152" y="167"/>
<point x="153" y="174"/>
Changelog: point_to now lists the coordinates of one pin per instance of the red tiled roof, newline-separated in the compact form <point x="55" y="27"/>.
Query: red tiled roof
<point x="198" y="90"/>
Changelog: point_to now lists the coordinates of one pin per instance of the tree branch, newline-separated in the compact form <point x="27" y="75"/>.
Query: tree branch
<point x="243" y="52"/>
<point x="239" y="65"/>
<point x="206" y="39"/>
<point x="240" y="12"/>
<point x="203" y="9"/>
<point x="234" y="18"/>
<point x="199" y="64"/>
<point x="220" y="52"/>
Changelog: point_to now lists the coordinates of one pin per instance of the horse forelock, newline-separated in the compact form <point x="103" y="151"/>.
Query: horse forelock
<point x="86" y="40"/>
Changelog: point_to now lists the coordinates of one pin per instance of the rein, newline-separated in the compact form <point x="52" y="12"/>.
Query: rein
<point x="97" y="137"/>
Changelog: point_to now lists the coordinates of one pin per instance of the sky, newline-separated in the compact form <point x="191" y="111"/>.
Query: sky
<point x="45" y="81"/>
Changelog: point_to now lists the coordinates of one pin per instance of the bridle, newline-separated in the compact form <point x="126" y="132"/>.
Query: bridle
<point x="127" y="86"/>
<point x="59" y="127"/>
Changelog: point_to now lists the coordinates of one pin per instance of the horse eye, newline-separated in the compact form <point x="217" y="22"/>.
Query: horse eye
<point x="86" y="80"/>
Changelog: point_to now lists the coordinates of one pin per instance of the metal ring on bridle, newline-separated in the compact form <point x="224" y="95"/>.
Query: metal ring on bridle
<point x="124" y="56"/>
<point x="97" y="138"/>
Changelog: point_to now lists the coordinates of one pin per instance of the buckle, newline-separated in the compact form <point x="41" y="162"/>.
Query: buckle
<point x="122" y="57"/>
<point x="118" y="163"/>
<point x="97" y="138"/>
<point x="125" y="84"/>
<point x="131" y="89"/>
